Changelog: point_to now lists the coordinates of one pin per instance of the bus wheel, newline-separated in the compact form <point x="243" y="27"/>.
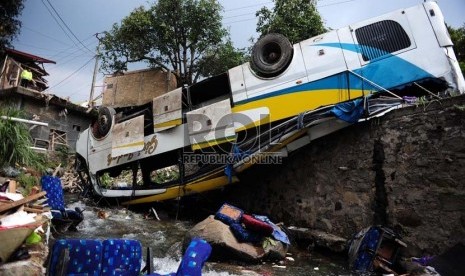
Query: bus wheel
<point x="271" y="55"/>
<point x="104" y="120"/>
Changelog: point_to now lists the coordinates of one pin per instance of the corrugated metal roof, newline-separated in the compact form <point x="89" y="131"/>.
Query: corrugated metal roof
<point x="27" y="56"/>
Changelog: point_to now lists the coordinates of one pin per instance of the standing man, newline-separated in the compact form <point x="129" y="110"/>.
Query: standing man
<point x="26" y="78"/>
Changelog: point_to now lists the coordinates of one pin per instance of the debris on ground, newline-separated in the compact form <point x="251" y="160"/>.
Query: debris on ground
<point x="21" y="219"/>
<point x="236" y="235"/>
<point x="70" y="181"/>
<point x="375" y="249"/>
<point x="310" y="238"/>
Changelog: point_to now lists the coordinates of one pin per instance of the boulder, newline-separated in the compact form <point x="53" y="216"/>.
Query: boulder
<point x="224" y="244"/>
<point x="318" y="238"/>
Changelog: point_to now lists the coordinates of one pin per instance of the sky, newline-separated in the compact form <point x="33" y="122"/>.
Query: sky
<point x="71" y="76"/>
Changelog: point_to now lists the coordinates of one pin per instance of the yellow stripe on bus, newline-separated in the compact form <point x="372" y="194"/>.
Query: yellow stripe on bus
<point x="288" y="105"/>
<point x="188" y="189"/>
<point x="130" y="145"/>
<point x="174" y="122"/>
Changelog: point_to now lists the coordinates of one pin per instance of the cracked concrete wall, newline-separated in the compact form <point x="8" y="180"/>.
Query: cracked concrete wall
<point x="405" y="170"/>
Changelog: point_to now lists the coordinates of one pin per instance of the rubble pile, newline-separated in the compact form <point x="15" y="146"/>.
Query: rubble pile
<point x="23" y="221"/>
<point x="70" y="181"/>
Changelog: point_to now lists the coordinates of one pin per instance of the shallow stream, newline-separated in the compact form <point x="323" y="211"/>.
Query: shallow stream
<point x="164" y="237"/>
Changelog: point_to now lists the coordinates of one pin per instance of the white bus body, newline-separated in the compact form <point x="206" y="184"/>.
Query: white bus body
<point x="392" y="52"/>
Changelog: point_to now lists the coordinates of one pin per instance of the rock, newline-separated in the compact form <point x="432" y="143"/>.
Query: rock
<point x="408" y="218"/>
<point x="10" y="171"/>
<point x="275" y="250"/>
<point x="318" y="238"/>
<point x="224" y="244"/>
<point x="452" y="202"/>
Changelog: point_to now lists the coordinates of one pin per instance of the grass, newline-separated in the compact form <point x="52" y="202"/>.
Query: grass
<point x="16" y="142"/>
<point x="27" y="182"/>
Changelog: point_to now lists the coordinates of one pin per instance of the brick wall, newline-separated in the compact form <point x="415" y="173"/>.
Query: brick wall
<point x="137" y="87"/>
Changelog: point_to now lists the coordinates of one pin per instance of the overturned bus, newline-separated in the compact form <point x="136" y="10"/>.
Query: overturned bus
<point x="286" y="96"/>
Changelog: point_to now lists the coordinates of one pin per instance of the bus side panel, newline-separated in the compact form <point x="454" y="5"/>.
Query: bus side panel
<point x="322" y="62"/>
<point x="429" y="55"/>
<point x="438" y="61"/>
<point x="293" y="75"/>
<point x="390" y="54"/>
<point x="436" y="18"/>
<point x="350" y="53"/>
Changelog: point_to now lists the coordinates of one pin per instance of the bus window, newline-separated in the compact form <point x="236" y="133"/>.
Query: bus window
<point x="381" y="38"/>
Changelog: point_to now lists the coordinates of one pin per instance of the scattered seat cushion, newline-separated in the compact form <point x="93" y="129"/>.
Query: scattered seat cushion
<point x="229" y="214"/>
<point x="363" y="248"/>
<point x="55" y="199"/>
<point x="121" y="257"/>
<point x="52" y="185"/>
<point x="82" y="257"/>
<point x="256" y="225"/>
<point x="194" y="258"/>
<point x="278" y="233"/>
<point x="244" y="235"/>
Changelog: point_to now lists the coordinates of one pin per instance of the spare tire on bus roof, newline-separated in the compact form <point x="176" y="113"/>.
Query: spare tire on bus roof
<point x="271" y="55"/>
<point x="104" y="120"/>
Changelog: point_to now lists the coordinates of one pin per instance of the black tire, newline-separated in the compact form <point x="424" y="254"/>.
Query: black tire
<point x="271" y="55"/>
<point x="104" y="120"/>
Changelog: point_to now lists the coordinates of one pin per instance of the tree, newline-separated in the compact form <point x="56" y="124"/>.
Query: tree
<point x="219" y="60"/>
<point x="296" y="19"/>
<point x="172" y="34"/>
<point x="458" y="38"/>
<point x="9" y="23"/>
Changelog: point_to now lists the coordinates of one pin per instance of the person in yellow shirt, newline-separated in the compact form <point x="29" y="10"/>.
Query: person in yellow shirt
<point x="26" y="78"/>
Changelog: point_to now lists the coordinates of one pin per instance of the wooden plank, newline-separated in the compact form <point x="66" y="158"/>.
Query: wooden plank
<point x="12" y="186"/>
<point x="36" y="206"/>
<point x="56" y="170"/>
<point x="11" y="205"/>
<point x="33" y="210"/>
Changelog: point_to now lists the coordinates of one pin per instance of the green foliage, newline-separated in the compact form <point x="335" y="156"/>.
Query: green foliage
<point x="63" y="154"/>
<point x="459" y="107"/>
<point x="171" y="34"/>
<point x="458" y="38"/>
<point x="296" y="19"/>
<point x="9" y="23"/>
<point x="219" y="60"/>
<point x="165" y="175"/>
<point x="106" y="180"/>
<point x="16" y="142"/>
<point x="27" y="182"/>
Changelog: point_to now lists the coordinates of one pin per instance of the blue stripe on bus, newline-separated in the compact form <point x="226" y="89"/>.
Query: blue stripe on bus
<point x="388" y="72"/>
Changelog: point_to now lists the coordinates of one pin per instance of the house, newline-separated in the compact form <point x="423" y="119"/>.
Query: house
<point x="65" y="119"/>
<point x="135" y="88"/>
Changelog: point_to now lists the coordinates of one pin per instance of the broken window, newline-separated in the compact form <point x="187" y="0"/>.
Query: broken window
<point x="381" y="38"/>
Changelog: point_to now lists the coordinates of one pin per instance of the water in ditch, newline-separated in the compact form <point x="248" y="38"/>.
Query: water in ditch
<point x="164" y="237"/>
